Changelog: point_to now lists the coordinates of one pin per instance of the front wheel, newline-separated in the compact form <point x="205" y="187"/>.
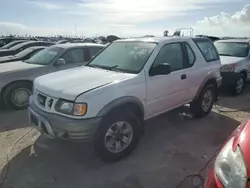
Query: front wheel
<point x="16" y="95"/>
<point x="203" y="105"/>
<point x="117" y="136"/>
<point x="239" y="86"/>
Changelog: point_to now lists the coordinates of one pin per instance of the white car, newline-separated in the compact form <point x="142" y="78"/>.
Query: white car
<point x="128" y="82"/>
<point x="235" y="60"/>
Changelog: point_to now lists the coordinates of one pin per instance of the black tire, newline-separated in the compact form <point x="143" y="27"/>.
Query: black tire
<point x="108" y="121"/>
<point x="238" y="91"/>
<point x="11" y="90"/>
<point x="196" y="105"/>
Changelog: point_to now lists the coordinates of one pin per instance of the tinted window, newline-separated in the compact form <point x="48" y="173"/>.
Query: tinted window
<point x="235" y="49"/>
<point x="25" y="45"/>
<point x="74" y="56"/>
<point x="45" y="56"/>
<point x="94" y="50"/>
<point x="11" y="44"/>
<point x="171" y="54"/>
<point x="208" y="50"/>
<point x="16" y="47"/>
<point x="191" y="56"/>
<point x="124" y="56"/>
<point x="23" y="53"/>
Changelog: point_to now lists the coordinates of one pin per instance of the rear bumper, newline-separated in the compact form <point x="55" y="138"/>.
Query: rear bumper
<point x="57" y="126"/>
<point x="229" y="78"/>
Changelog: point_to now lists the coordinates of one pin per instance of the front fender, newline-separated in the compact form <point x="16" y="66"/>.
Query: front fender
<point x="119" y="102"/>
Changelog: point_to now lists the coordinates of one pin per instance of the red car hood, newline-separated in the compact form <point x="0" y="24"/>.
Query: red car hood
<point x="242" y="138"/>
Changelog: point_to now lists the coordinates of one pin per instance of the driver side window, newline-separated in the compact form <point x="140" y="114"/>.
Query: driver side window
<point x="171" y="54"/>
<point x="74" y="56"/>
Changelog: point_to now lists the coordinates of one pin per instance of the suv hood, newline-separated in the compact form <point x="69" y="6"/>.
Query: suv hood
<point x="68" y="84"/>
<point x="16" y="66"/>
<point x="226" y="60"/>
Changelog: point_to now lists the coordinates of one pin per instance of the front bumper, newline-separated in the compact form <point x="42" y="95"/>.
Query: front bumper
<point x="219" y="81"/>
<point x="212" y="181"/>
<point x="57" y="126"/>
<point x="1" y="101"/>
<point x="229" y="78"/>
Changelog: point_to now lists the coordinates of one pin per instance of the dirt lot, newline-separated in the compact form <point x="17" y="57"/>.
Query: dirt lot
<point x="173" y="146"/>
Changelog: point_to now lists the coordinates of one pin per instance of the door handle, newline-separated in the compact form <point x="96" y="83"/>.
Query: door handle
<point x="183" y="76"/>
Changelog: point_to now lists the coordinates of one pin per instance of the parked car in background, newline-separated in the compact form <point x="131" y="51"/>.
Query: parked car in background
<point x="235" y="61"/>
<point x="16" y="78"/>
<point x="20" y="47"/>
<point x="8" y="39"/>
<point x="232" y="165"/>
<point x="62" y="42"/>
<point x="126" y="83"/>
<point x="23" y="55"/>
<point x="11" y="44"/>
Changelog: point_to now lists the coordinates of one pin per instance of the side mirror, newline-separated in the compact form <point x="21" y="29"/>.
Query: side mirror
<point x="60" y="61"/>
<point x="160" y="69"/>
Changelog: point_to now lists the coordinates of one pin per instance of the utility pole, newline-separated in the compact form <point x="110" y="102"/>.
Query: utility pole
<point x="75" y="29"/>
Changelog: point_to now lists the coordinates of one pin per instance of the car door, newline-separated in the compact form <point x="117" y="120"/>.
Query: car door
<point x="73" y="58"/>
<point x="165" y="92"/>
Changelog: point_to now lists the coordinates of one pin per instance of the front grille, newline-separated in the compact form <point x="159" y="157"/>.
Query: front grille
<point x="44" y="101"/>
<point x="41" y="99"/>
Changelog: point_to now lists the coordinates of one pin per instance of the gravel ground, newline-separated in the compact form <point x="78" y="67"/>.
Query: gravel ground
<point x="173" y="146"/>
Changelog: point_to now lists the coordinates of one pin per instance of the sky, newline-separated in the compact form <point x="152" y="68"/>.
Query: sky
<point x="124" y="18"/>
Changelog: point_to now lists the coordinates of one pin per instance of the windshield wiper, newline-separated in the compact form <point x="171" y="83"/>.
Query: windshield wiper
<point x="104" y="67"/>
<point x="225" y="54"/>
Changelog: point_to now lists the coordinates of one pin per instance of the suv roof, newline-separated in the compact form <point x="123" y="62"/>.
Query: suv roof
<point x="159" y="39"/>
<point x="235" y="40"/>
<point x="70" y="45"/>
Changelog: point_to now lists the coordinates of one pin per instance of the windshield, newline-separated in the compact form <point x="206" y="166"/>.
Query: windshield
<point x="124" y="56"/>
<point x="235" y="49"/>
<point x="45" y="56"/>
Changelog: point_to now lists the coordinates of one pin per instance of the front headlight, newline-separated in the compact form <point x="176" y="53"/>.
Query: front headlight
<point x="228" y="68"/>
<point x="230" y="167"/>
<point x="71" y="108"/>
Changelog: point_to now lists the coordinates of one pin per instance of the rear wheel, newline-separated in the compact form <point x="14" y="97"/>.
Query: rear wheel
<point x="203" y="105"/>
<point x="16" y="95"/>
<point x="117" y="136"/>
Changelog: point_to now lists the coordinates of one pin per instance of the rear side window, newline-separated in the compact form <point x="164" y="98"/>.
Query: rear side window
<point x="190" y="53"/>
<point x="207" y="49"/>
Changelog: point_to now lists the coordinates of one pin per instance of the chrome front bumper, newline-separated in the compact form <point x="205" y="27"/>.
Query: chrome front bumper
<point x="219" y="81"/>
<point x="40" y="124"/>
<point x="57" y="126"/>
